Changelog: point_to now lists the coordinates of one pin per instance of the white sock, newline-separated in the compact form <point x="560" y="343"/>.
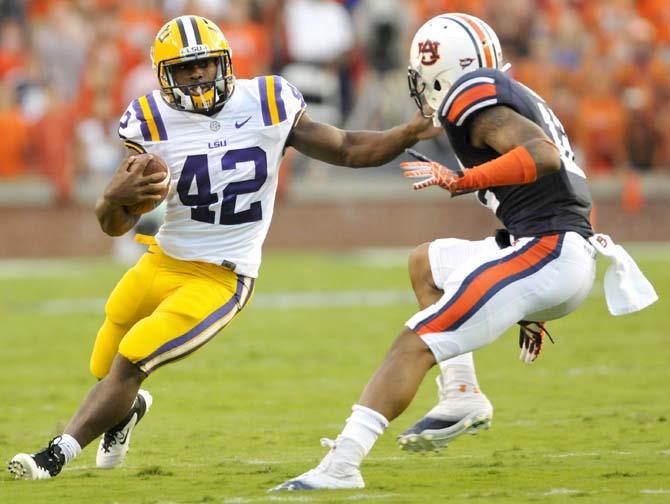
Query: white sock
<point x="460" y="360"/>
<point x="363" y="428"/>
<point x="69" y="446"/>
<point x="459" y="375"/>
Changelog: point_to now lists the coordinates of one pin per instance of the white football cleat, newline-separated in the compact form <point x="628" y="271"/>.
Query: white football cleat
<point x="454" y="415"/>
<point x="44" y="464"/>
<point x="328" y="475"/>
<point x="115" y="442"/>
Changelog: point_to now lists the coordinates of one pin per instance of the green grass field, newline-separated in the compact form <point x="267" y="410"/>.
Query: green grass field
<point x="589" y="422"/>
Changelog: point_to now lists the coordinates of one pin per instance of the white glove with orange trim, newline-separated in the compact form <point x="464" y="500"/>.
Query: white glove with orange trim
<point x="531" y="337"/>
<point x="432" y="173"/>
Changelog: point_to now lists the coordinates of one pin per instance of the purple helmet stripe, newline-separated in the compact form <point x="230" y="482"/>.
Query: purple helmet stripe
<point x="196" y="31"/>
<point x="182" y="32"/>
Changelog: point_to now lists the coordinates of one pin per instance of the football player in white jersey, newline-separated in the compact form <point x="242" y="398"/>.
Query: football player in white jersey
<point x="223" y="140"/>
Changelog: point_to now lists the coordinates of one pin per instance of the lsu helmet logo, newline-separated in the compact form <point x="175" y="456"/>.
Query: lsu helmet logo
<point x="429" y="52"/>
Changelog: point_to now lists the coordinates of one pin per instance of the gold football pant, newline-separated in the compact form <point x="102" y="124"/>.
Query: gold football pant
<point x="163" y="309"/>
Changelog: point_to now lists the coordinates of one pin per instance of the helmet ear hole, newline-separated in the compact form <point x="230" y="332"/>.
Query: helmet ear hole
<point x="437" y="86"/>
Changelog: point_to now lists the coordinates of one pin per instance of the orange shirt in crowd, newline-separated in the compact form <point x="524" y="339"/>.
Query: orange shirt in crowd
<point x="53" y="136"/>
<point x="658" y="13"/>
<point x="601" y="127"/>
<point x="140" y="28"/>
<point x="251" y="49"/>
<point x="36" y="9"/>
<point x="9" y="62"/>
<point x="14" y="134"/>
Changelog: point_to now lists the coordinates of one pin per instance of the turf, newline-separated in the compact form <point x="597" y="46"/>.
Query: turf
<point x="589" y="422"/>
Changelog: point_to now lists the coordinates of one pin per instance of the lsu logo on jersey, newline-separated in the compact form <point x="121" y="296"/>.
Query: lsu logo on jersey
<point x="429" y="52"/>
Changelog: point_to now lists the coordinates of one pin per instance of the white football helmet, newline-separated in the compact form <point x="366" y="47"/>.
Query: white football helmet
<point x="445" y="48"/>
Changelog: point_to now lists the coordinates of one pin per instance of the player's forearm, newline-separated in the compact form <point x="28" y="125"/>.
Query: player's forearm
<point x="354" y="149"/>
<point x="374" y="148"/>
<point x="522" y="165"/>
<point x="113" y="218"/>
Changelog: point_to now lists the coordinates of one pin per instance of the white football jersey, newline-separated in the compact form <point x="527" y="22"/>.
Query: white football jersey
<point x="223" y="169"/>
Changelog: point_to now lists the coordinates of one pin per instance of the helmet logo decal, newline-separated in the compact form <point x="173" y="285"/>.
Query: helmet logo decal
<point x="162" y="36"/>
<point x="428" y="51"/>
<point x="194" y="49"/>
<point x="465" y="62"/>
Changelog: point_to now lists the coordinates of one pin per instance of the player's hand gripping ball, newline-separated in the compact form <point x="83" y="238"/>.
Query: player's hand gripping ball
<point x="155" y="165"/>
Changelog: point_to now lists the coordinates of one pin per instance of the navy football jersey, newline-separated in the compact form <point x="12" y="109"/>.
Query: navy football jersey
<point x="558" y="202"/>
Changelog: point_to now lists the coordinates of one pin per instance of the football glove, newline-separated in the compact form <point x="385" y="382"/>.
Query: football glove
<point x="531" y="337"/>
<point x="432" y="173"/>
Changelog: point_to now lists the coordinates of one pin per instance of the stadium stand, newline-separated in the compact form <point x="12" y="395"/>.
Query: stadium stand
<point x="68" y="68"/>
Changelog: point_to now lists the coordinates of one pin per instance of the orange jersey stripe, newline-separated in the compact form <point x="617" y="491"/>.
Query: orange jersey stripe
<point x="480" y="285"/>
<point x="488" y="49"/>
<point x="468" y="97"/>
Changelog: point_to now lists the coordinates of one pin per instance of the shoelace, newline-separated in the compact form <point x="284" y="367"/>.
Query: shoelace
<point x="54" y="461"/>
<point x="110" y="439"/>
<point x="51" y="450"/>
<point x="115" y="434"/>
<point x="326" y="443"/>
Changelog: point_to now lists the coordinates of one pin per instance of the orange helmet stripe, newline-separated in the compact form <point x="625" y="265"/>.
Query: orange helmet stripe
<point x="483" y="38"/>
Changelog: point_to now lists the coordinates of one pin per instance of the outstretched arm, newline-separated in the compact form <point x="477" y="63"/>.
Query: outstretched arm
<point x="357" y="149"/>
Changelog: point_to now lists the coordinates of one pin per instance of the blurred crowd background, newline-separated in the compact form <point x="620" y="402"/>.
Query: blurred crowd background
<point x="68" y="69"/>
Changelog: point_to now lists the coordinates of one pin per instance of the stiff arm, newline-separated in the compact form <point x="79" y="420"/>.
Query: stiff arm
<point x="356" y="149"/>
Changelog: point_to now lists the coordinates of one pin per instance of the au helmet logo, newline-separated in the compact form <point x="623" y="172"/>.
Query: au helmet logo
<point x="429" y="52"/>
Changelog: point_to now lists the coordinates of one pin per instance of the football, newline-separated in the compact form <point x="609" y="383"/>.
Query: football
<point x="155" y="165"/>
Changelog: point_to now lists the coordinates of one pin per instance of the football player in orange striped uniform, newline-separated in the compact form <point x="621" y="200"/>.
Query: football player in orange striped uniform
<point x="517" y="160"/>
<point x="223" y="140"/>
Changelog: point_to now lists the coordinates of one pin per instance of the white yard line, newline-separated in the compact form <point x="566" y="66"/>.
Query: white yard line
<point x="75" y="467"/>
<point x="275" y="300"/>
<point x="376" y="257"/>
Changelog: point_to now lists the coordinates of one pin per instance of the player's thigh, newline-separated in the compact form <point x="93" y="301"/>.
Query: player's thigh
<point x="566" y="285"/>
<point x="186" y="320"/>
<point x="446" y="255"/>
<point x="134" y="297"/>
<point x="481" y="302"/>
